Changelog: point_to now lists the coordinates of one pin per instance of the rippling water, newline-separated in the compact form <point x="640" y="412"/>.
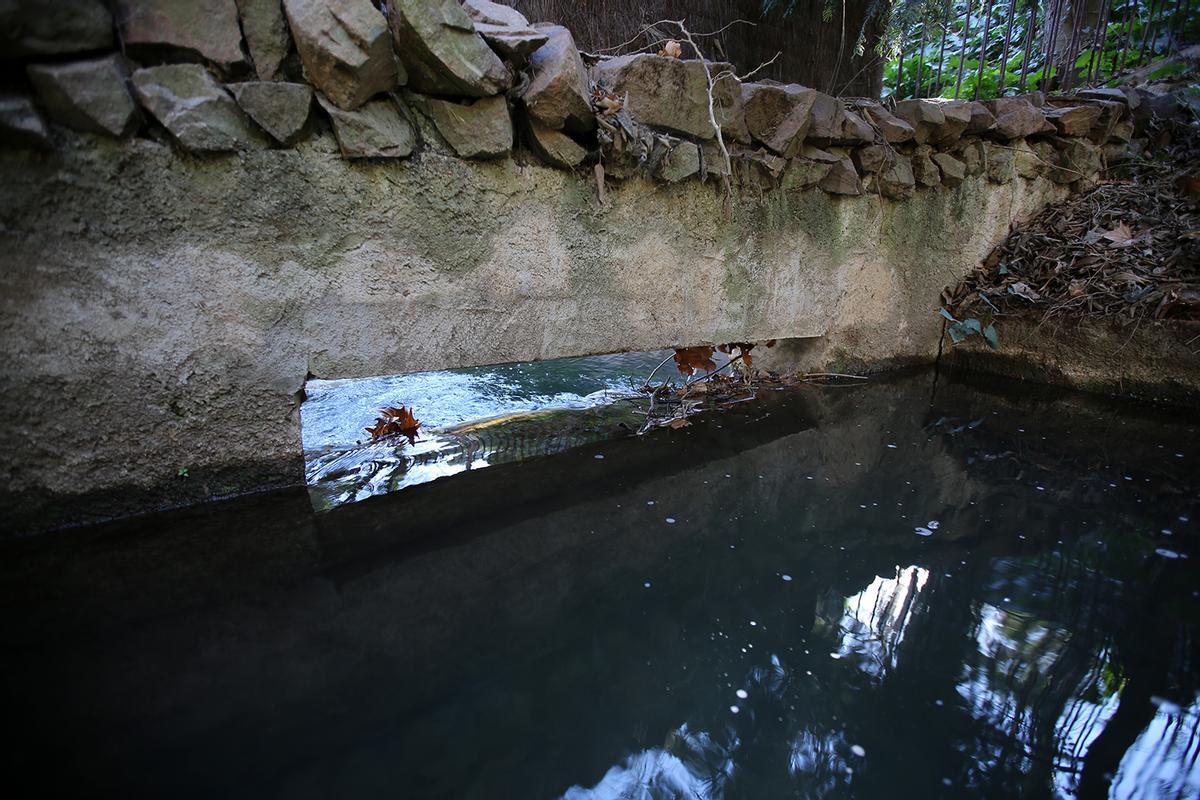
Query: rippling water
<point x="896" y="590"/>
<point x="342" y="465"/>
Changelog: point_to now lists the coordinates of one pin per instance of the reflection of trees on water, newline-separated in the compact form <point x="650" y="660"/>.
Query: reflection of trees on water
<point x="1030" y="676"/>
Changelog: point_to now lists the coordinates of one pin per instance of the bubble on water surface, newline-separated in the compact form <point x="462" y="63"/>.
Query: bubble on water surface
<point x="858" y="750"/>
<point x="1165" y="553"/>
<point x="742" y="694"/>
<point x="921" y="530"/>
<point x="734" y="709"/>
<point x="670" y="520"/>
<point x="599" y="455"/>
<point x="932" y="524"/>
<point x="787" y="578"/>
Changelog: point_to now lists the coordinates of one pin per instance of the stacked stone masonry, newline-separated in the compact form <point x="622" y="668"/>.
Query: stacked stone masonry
<point x="479" y="80"/>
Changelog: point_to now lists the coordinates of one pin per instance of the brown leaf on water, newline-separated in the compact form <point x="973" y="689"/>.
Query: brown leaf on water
<point x="690" y="359"/>
<point x="395" y="421"/>
<point x="678" y="422"/>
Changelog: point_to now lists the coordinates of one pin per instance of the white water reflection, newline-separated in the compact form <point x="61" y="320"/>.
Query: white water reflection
<point x="875" y="619"/>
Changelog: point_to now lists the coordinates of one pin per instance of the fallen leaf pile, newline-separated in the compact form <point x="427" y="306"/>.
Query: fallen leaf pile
<point x="1126" y="249"/>
<point x="395" y="422"/>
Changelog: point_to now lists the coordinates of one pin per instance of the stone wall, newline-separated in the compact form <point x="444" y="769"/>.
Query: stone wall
<point x="249" y="194"/>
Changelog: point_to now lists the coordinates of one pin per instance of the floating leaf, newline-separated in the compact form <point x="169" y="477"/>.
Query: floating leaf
<point x="395" y="421"/>
<point x="690" y="359"/>
<point x="678" y="422"/>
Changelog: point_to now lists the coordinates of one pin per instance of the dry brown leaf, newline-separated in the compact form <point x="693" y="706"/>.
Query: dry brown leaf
<point x="677" y="423"/>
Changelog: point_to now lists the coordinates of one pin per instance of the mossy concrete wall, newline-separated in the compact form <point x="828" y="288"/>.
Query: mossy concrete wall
<point x="162" y="312"/>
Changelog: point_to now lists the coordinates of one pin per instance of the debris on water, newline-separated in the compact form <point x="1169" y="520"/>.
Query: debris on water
<point x="646" y="584"/>
<point x="599" y="455"/>
<point x="921" y="530"/>
<point x="932" y="524"/>
<point x="858" y="750"/>
<point x="742" y="694"/>
<point x="1165" y="553"/>
<point x="734" y="709"/>
<point x="787" y="578"/>
<point x="670" y="520"/>
<point x="891" y="447"/>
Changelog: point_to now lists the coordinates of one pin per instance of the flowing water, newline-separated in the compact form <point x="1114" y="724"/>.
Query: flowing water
<point x="905" y="589"/>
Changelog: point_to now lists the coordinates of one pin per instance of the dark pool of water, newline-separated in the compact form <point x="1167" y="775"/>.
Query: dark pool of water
<point x="889" y="591"/>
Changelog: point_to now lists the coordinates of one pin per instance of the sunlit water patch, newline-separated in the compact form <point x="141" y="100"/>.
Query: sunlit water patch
<point x="471" y="418"/>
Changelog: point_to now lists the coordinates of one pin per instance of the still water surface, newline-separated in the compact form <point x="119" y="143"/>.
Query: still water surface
<point x="889" y="591"/>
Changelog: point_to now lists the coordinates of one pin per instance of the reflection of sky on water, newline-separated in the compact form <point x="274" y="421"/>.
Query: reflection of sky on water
<point x="1012" y="677"/>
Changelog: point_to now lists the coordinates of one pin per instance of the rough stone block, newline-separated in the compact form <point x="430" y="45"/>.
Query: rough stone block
<point x="514" y="44"/>
<point x="971" y="153"/>
<point x="281" y="109"/>
<point x="491" y="13"/>
<point x="958" y="115"/>
<point x="672" y="93"/>
<point x="1026" y="161"/>
<point x="267" y="36"/>
<point x="192" y="30"/>
<point x="924" y="115"/>
<point x="954" y="172"/>
<point x="924" y="170"/>
<point x="683" y="161"/>
<point x="195" y="109"/>
<point x="1073" y="120"/>
<point x="375" y="129"/>
<point x="998" y="161"/>
<point x="442" y="52"/>
<point x="777" y="115"/>
<point x="553" y="147"/>
<point x="557" y="95"/>
<point x="87" y="95"/>
<point x="897" y="183"/>
<point x="873" y="158"/>
<point x="982" y="120"/>
<point x="345" y="48"/>
<point x="480" y="129"/>
<point x="1078" y="159"/>
<point x="21" y="125"/>
<point x="41" y="28"/>
<point x="1016" y="118"/>
<point x="841" y="178"/>
<point x="894" y="129"/>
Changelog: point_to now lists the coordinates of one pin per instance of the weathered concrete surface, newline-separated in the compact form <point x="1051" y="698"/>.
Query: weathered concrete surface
<point x="1158" y="360"/>
<point x="167" y="320"/>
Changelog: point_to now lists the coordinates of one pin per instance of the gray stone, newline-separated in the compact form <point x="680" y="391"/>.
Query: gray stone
<point x="480" y="129"/>
<point x="1122" y="131"/>
<point x="897" y="183"/>
<point x="557" y="95"/>
<point x="442" y="52"/>
<point x="21" y="125"/>
<point x="873" y="158"/>
<point x="514" y="44"/>
<point x="281" y="109"/>
<point x="712" y="160"/>
<point x="41" y="28"/>
<point x="1073" y="120"/>
<point x="1078" y="159"/>
<point x="827" y="119"/>
<point x="778" y="115"/>
<point x="802" y="172"/>
<point x="923" y="168"/>
<point x="1126" y="96"/>
<point x="194" y="109"/>
<point x="925" y="116"/>
<point x="267" y="36"/>
<point x="376" y="129"/>
<point x="87" y="95"/>
<point x="1016" y="118"/>
<point x="821" y="156"/>
<point x="842" y="178"/>
<point x="856" y="130"/>
<point x="683" y="161"/>
<point x="491" y="13"/>
<point x="982" y="120"/>
<point x="971" y="153"/>
<point x="552" y="147"/>
<point x="672" y="93"/>
<point x="958" y="117"/>
<point x="1026" y="161"/>
<point x="195" y="30"/>
<point x="954" y="172"/>
<point x="998" y="162"/>
<point x="345" y="48"/>
<point x="893" y="129"/>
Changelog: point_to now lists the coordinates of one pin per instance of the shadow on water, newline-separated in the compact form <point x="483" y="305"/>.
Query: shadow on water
<point x="823" y="593"/>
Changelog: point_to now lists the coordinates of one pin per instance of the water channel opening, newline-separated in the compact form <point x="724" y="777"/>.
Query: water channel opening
<point x="470" y="419"/>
